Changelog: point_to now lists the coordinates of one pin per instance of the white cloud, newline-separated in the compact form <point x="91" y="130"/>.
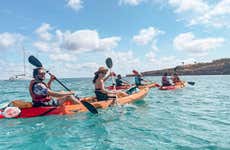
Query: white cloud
<point x="198" y="6"/>
<point x="8" y="40"/>
<point x="130" y="2"/>
<point x="42" y="46"/>
<point x="146" y="35"/>
<point x="82" y="40"/>
<point x="78" y="69"/>
<point x="124" y="62"/>
<point x="62" y="57"/>
<point x="43" y="32"/>
<point x="151" y="56"/>
<point x="197" y="12"/>
<point x="155" y="63"/>
<point x="109" y="43"/>
<point x="75" y="4"/>
<point x="78" y="41"/>
<point x="217" y="16"/>
<point x="86" y="40"/>
<point x="189" y="43"/>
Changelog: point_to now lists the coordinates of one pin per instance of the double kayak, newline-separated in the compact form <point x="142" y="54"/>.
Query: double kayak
<point x="68" y="109"/>
<point x="173" y="87"/>
<point x="125" y="87"/>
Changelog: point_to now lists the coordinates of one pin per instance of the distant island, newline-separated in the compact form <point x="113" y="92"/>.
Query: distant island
<point x="216" y="67"/>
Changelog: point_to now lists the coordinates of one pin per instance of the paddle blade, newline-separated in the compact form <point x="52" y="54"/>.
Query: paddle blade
<point x="191" y="83"/>
<point x="109" y="62"/>
<point x="34" y="61"/>
<point x="90" y="107"/>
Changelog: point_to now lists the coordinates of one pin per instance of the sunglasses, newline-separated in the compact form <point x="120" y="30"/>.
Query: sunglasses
<point x="103" y="72"/>
<point x="42" y="73"/>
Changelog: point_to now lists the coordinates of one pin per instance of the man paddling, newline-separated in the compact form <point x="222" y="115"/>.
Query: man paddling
<point x="41" y="93"/>
<point x="138" y="78"/>
<point x="119" y="81"/>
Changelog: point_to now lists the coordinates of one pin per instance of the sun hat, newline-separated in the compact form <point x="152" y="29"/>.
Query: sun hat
<point x="101" y="69"/>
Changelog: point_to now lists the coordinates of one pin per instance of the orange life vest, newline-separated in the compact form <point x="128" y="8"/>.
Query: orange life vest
<point x="38" y="98"/>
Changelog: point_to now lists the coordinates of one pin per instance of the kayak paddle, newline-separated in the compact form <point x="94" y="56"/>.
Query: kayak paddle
<point x="109" y="64"/>
<point x="191" y="83"/>
<point x="34" y="61"/>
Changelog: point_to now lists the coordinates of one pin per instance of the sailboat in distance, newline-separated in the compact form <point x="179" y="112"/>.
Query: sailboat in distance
<point x="22" y="76"/>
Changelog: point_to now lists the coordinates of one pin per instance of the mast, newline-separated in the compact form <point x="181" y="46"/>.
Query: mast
<point x="24" y="60"/>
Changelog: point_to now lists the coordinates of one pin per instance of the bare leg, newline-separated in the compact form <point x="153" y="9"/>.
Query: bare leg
<point x="121" y="94"/>
<point x="70" y="97"/>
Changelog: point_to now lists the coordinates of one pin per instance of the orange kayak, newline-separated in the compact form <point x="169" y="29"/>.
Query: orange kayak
<point x="69" y="109"/>
<point x="173" y="87"/>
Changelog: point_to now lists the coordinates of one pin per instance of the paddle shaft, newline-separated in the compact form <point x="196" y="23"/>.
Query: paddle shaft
<point x="62" y="84"/>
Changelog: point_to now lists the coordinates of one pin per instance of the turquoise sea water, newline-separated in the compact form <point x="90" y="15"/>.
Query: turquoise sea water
<point x="195" y="117"/>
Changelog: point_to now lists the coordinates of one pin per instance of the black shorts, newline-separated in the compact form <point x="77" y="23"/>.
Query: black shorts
<point x="52" y="102"/>
<point x="101" y="96"/>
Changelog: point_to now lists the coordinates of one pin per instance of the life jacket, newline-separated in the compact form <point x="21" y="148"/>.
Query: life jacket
<point x="138" y="80"/>
<point x="38" y="98"/>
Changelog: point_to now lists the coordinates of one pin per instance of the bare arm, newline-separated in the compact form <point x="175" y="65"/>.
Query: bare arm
<point x="52" y="78"/>
<point x="59" y="94"/>
<point x="107" y="77"/>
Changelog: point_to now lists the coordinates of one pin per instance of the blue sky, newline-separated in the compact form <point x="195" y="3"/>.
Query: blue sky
<point x="73" y="37"/>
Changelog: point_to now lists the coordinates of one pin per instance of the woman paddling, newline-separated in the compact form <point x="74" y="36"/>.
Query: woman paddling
<point x="99" y="79"/>
<point x="175" y="79"/>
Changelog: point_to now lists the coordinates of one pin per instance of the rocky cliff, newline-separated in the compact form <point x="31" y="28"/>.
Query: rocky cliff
<point x="216" y="67"/>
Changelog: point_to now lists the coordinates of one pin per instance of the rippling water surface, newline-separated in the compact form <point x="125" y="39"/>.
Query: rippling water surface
<point x="195" y="117"/>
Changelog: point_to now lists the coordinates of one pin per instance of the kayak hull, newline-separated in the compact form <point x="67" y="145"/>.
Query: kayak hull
<point x="173" y="87"/>
<point x="69" y="109"/>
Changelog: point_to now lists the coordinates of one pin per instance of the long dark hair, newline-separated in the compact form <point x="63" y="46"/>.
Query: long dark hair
<point x="95" y="78"/>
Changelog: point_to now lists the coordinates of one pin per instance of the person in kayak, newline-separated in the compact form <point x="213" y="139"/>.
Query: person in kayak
<point x="41" y="93"/>
<point x="175" y="79"/>
<point x="119" y="81"/>
<point x="138" y="78"/>
<point x="165" y="81"/>
<point x="98" y="81"/>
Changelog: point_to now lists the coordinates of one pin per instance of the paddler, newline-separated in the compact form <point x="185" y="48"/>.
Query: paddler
<point x="41" y="93"/>
<point x="165" y="81"/>
<point x="119" y="81"/>
<point x="175" y="79"/>
<point x="138" y="78"/>
<point x="98" y="81"/>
